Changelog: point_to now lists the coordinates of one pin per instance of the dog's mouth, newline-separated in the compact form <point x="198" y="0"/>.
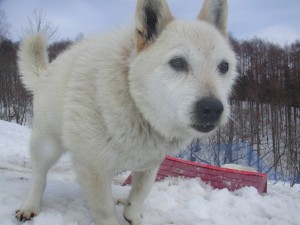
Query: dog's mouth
<point x="203" y="128"/>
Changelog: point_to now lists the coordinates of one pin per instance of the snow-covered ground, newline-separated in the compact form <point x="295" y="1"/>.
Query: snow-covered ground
<point x="173" y="201"/>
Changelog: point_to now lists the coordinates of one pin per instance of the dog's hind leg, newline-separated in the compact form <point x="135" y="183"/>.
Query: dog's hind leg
<point x="44" y="152"/>
<point x="141" y="186"/>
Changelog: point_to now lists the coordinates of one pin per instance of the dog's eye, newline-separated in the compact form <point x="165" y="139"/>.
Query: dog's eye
<point x="179" y="64"/>
<point x="223" y="67"/>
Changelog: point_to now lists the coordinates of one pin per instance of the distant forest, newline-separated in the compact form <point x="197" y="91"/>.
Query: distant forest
<point x="265" y="107"/>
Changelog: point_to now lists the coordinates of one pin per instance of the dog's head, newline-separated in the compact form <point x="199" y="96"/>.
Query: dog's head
<point x="182" y="73"/>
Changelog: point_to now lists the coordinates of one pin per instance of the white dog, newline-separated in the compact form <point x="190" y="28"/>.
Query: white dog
<point x="126" y="99"/>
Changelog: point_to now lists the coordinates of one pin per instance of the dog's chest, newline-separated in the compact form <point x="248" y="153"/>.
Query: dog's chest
<point x="144" y="156"/>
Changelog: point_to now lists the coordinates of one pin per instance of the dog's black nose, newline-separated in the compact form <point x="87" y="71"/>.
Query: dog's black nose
<point x="207" y="114"/>
<point x="209" y="110"/>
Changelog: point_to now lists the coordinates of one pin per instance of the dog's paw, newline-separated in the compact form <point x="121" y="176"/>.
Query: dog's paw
<point x="132" y="216"/>
<point x="25" y="215"/>
<point x="121" y="201"/>
<point x="134" y="221"/>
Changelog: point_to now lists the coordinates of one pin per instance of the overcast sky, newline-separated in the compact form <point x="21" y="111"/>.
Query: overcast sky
<point x="274" y="20"/>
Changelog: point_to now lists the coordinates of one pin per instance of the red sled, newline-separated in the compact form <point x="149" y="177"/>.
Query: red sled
<point x="217" y="177"/>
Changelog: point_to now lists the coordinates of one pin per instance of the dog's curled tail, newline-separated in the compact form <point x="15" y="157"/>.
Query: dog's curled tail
<point x="32" y="59"/>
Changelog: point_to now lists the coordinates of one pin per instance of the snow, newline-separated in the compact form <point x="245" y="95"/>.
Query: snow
<point x="239" y="167"/>
<point x="173" y="201"/>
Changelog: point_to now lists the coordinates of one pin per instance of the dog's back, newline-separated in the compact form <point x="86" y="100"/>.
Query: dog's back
<point x="73" y="74"/>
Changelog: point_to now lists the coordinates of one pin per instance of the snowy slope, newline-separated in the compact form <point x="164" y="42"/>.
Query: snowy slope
<point x="173" y="201"/>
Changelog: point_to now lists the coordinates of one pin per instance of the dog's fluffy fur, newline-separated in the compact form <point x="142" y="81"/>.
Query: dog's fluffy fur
<point x="125" y="99"/>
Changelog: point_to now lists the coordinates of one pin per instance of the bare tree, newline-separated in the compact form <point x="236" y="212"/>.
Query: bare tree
<point x="4" y="26"/>
<point x="38" y="23"/>
<point x="15" y="101"/>
<point x="79" y="37"/>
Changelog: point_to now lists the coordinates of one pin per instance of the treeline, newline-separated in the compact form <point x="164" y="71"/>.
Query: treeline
<point x="264" y="128"/>
<point x="269" y="72"/>
<point x="15" y="101"/>
<point x="267" y="105"/>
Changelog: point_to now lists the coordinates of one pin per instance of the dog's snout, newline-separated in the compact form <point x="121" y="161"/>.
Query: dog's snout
<point x="207" y="114"/>
<point x="209" y="110"/>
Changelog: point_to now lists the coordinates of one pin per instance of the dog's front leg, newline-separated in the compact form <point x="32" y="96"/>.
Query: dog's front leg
<point x="96" y="183"/>
<point x="141" y="186"/>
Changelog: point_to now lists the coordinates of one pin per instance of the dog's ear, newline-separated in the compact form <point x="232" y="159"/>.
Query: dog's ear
<point x="215" y="12"/>
<point x="151" y="18"/>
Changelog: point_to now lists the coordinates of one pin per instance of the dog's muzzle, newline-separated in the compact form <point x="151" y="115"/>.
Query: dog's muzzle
<point x="207" y="114"/>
